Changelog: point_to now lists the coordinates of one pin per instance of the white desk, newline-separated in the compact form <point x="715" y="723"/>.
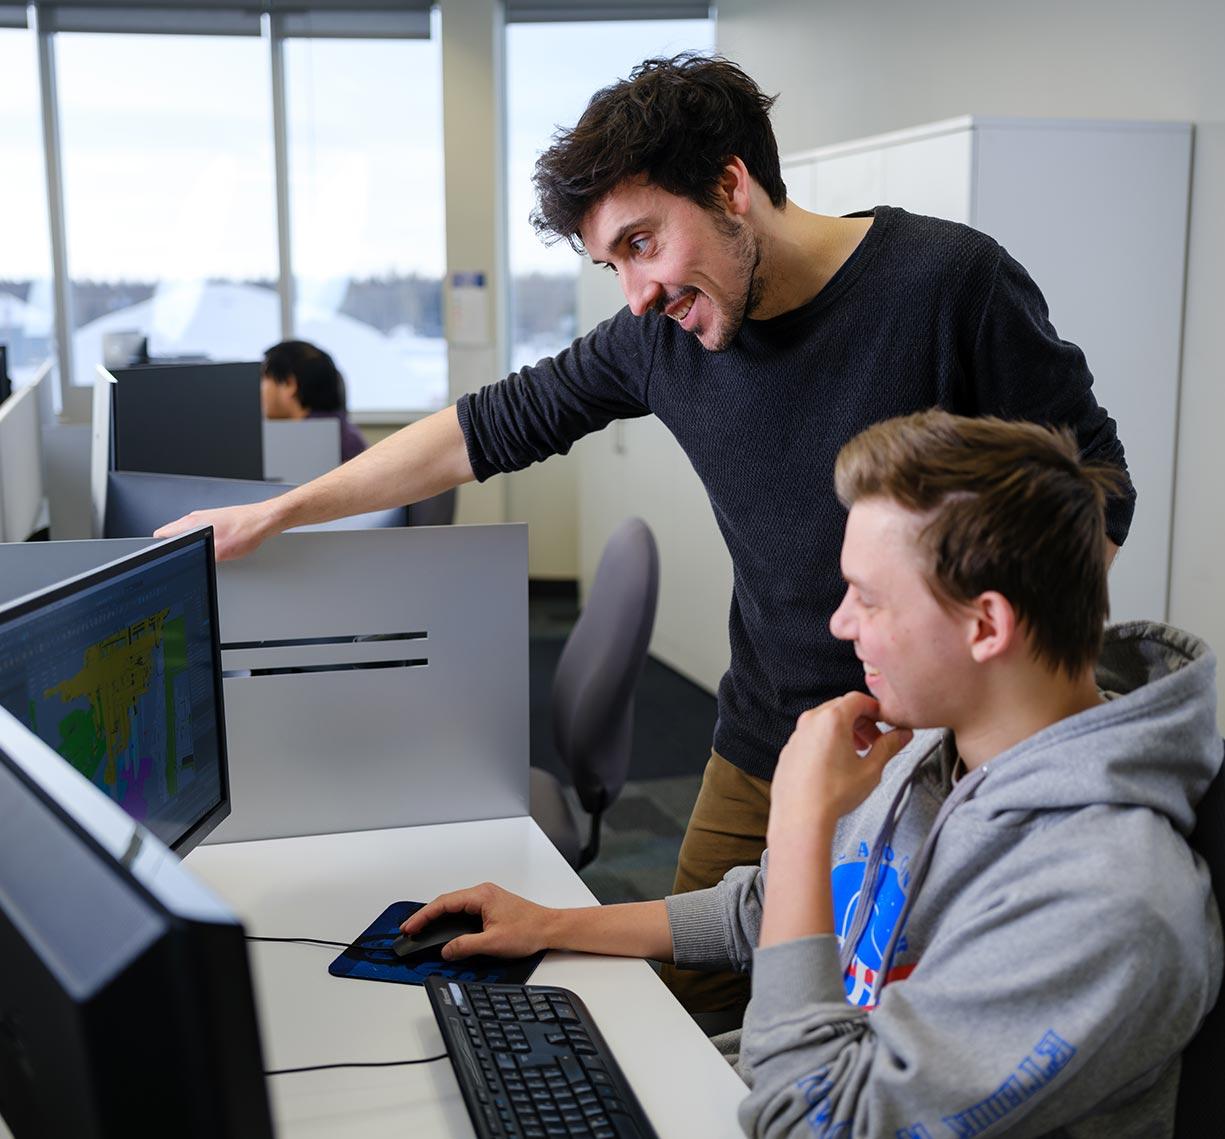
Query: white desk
<point x="333" y="886"/>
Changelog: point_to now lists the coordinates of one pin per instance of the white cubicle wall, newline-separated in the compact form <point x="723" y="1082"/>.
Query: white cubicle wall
<point x="21" y="462"/>
<point x="298" y="450"/>
<point x="374" y="678"/>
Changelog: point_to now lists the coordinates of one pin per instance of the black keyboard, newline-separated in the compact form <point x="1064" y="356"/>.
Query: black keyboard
<point x="531" y="1063"/>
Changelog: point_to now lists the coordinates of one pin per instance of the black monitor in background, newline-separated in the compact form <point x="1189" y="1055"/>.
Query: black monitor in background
<point x="126" y="1004"/>
<point x="119" y="671"/>
<point x="138" y="503"/>
<point x="188" y="419"/>
<point x="6" y="383"/>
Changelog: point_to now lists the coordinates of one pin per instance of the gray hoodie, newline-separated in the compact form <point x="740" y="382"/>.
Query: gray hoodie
<point x="1038" y="943"/>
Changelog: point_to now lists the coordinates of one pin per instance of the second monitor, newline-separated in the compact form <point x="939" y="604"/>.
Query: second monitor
<point x="188" y="419"/>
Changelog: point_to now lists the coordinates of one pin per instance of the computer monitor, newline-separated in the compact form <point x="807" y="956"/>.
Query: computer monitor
<point x="188" y="419"/>
<point x="126" y="1005"/>
<point x="119" y="670"/>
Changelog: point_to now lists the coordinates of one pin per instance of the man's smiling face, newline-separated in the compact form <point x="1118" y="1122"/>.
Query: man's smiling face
<point x="696" y="266"/>
<point x="915" y="651"/>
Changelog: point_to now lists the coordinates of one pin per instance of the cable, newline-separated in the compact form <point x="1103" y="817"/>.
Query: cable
<point x="354" y="1064"/>
<point x="369" y="1064"/>
<point x="299" y="941"/>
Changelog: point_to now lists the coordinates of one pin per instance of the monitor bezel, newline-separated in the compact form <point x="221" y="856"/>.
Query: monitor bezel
<point x="32" y="602"/>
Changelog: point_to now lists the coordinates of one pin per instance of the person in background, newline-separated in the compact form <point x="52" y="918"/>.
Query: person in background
<point x="300" y="381"/>
<point x="978" y="912"/>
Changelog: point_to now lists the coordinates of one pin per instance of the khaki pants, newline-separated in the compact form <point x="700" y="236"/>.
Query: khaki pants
<point x="727" y="828"/>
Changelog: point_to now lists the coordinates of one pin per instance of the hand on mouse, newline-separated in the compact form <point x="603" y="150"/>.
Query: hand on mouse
<point x="513" y="926"/>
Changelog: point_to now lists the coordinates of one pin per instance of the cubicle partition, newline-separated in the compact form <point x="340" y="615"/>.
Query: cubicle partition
<point x="373" y="679"/>
<point x="135" y="503"/>
<point x="21" y="471"/>
<point x="298" y="450"/>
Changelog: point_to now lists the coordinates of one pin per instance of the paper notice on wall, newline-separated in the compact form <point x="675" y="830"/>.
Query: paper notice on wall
<point x="469" y="309"/>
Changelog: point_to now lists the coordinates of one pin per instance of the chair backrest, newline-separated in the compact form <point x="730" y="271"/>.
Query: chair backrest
<point x="593" y="688"/>
<point x="1201" y="1088"/>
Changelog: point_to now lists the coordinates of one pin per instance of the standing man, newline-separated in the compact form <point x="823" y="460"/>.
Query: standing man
<point x="764" y="337"/>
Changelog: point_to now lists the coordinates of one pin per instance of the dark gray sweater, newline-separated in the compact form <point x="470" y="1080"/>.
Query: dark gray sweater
<point x="924" y="313"/>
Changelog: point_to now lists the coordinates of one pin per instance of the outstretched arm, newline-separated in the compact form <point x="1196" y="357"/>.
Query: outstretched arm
<point x="420" y="460"/>
<point x="515" y="927"/>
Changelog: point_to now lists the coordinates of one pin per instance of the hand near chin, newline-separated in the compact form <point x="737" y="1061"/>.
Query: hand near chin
<point x="832" y="763"/>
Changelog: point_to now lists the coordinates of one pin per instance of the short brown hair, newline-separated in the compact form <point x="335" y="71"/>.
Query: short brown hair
<point x="677" y="122"/>
<point x="1010" y="507"/>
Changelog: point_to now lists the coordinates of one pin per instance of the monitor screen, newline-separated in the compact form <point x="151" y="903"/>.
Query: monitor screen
<point x="126" y="1003"/>
<point x="119" y="670"/>
<point x="188" y="419"/>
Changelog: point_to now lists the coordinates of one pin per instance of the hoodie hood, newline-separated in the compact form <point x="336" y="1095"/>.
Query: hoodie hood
<point x="1153" y="743"/>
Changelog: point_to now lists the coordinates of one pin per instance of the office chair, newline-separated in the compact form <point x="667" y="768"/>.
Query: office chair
<point x="593" y="690"/>
<point x="1201" y="1088"/>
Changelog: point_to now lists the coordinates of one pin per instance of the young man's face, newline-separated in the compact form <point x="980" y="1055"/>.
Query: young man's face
<point x="694" y="265"/>
<point x="915" y="653"/>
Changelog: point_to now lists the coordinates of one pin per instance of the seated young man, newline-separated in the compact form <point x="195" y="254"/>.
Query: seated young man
<point x="985" y="919"/>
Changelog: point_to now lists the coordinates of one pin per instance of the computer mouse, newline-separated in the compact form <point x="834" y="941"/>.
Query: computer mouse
<point x="441" y="930"/>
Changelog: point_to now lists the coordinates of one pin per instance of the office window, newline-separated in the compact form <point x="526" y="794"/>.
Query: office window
<point x="26" y="305"/>
<point x="169" y="197"/>
<point x="364" y="125"/>
<point x="552" y="70"/>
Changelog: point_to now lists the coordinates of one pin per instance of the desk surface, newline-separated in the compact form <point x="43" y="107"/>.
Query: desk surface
<point x="333" y="886"/>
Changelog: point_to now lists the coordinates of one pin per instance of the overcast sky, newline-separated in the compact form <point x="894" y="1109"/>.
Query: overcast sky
<point x="167" y="145"/>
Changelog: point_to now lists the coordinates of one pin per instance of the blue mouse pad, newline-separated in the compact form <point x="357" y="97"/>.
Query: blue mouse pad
<point x="371" y="957"/>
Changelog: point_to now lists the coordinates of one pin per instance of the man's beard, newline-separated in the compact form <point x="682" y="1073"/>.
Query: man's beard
<point x="743" y="244"/>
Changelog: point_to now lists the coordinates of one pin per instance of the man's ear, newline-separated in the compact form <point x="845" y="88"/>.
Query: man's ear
<point x="992" y="626"/>
<point x="734" y="188"/>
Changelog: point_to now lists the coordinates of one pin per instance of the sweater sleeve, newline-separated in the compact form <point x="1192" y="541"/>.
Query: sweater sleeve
<point x="544" y="409"/>
<point x="999" y="1029"/>
<point x="1023" y="370"/>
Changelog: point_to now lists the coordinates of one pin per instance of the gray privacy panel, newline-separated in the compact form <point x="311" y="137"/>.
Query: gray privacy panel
<point x="27" y="566"/>
<point x="375" y="679"/>
<point x="379" y="678"/>
<point x="298" y="450"/>
<point x="138" y="503"/>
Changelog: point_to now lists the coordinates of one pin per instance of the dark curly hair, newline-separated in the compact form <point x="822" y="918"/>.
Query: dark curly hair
<point x="677" y="121"/>
<point x="321" y="387"/>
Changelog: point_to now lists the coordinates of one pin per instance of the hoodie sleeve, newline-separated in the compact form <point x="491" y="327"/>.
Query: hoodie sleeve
<point x="718" y="928"/>
<point x="1000" y="1028"/>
